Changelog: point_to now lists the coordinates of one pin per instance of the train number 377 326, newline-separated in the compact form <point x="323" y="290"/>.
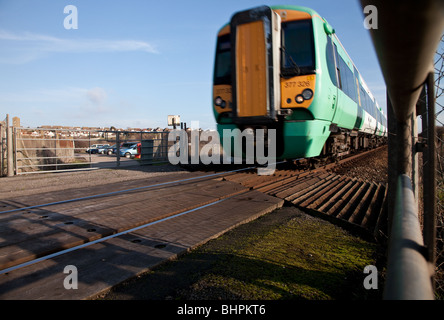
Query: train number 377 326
<point x="297" y="84"/>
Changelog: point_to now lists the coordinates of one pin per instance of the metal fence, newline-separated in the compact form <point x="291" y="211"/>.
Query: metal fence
<point x="48" y="149"/>
<point x="39" y="150"/>
<point x="3" y="159"/>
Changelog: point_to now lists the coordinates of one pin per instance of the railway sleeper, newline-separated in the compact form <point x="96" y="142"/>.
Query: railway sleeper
<point x="307" y="188"/>
<point x="301" y="184"/>
<point x="362" y="206"/>
<point x="279" y="185"/>
<point x="337" y="196"/>
<point x="337" y="207"/>
<point x="309" y="197"/>
<point x="285" y="187"/>
<point x="254" y="181"/>
<point x="348" y="210"/>
<point x="373" y="213"/>
<point x="334" y="188"/>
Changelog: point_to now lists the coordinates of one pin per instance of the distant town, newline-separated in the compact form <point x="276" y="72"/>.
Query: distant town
<point x="83" y="132"/>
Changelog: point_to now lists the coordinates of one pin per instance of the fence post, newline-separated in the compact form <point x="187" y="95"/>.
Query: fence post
<point x="118" y="148"/>
<point x="9" y="146"/>
<point x="89" y="148"/>
<point x="14" y="130"/>
<point x="1" y="148"/>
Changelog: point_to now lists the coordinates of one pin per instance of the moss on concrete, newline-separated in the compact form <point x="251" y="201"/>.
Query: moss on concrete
<point x="284" y="255"/>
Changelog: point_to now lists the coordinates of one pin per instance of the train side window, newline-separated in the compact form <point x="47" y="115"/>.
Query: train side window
<point x="345" y="77"/>
<point x="355" y="85"/>
<point x="331" y="61"/>
<point x="364" y="99"/>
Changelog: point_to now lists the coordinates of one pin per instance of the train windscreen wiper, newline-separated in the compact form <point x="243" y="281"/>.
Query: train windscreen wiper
<point x="293" y="69"/>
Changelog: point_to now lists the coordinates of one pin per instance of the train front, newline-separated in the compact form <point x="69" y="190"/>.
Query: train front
<point x="265" y="78"/>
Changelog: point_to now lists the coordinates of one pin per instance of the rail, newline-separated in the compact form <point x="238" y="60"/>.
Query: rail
<point x="409" y="274"/>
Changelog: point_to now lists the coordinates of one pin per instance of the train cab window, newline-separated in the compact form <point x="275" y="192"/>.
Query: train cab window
<point x="297" y="48"/>
<point x="222" y="69"/>
<point x="331" y="61"/>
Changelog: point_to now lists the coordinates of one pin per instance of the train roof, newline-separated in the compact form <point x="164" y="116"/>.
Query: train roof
<point x="284" y="7"/>
<point x="296" y="8"/>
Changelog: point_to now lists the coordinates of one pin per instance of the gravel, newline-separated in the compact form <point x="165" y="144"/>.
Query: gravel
<point x="371" y="168"/>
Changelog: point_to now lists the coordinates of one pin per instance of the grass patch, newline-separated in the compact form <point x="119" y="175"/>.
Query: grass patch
<point x="284" y="255"/>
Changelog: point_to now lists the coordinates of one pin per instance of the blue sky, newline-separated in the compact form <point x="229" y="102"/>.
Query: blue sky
<point x="132" y="63"/>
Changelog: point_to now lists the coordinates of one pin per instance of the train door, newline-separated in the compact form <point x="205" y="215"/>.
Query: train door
<point x="337" y="94"/>
<point x="255" y="41"/>
<point x="333" y="70"/>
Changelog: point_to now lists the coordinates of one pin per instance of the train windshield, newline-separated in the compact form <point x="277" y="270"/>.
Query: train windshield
<point x="297" y="48"/>
<point x="222" y="70"/>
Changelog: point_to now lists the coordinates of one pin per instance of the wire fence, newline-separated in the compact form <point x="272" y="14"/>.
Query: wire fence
<point x="439" y="105"/>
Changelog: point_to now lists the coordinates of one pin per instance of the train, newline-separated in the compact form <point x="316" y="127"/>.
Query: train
<point x="284" y="68"/>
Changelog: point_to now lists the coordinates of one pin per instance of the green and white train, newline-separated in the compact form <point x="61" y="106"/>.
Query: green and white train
<point x="284" y="68"/>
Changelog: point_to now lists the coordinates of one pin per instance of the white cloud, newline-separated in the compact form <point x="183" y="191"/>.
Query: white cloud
<point x="25" y="47"/>
<point x="97" y="96"/>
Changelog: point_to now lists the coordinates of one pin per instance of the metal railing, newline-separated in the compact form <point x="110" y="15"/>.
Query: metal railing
<point x="53" y="150"/>
<point x="3" y="161"/>
<point x="409" y="274"/>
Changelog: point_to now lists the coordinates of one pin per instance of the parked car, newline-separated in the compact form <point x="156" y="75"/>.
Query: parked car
<point x="94" y="148"/>
<point x="103" y="148"/>
<point x="124" y="145"/>
<point x="129" y="152"/>
<point x="109" y="150"/>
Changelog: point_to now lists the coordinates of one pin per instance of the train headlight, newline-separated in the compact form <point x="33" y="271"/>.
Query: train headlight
<point x="218" y="101"/>
<point x="299" y="99"/>
<point x="307" y="94"/>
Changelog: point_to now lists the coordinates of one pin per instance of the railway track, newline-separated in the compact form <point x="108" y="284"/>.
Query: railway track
<point x="117" y="231"/>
